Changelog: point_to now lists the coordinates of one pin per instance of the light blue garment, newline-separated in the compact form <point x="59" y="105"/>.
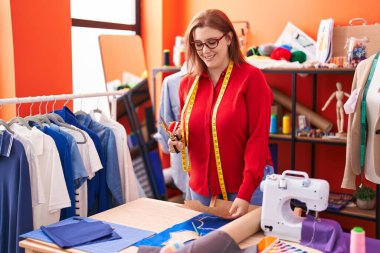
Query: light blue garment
<point x="170" y="111"/>
<point x="108" y="141"/>
<point x="257" y="197"/>
<point x="79" y="171"/>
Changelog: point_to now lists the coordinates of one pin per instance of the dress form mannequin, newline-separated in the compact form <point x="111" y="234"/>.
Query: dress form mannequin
<point x="373" y="110"/>
<point x="339" y="94"/>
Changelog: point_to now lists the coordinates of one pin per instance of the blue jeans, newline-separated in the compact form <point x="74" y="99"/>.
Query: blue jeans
<point x="257" y="197"/>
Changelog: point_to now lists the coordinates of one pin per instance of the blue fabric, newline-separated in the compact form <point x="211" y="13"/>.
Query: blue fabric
<point x="111" y="168"/>
<point x="63" y="147"/>
<point x="80" y="233"/>
<point x="205" y="223"/>
<point x="158" y="174"/>
<point x="15" y="197"/>
<point x="79" y="171"/>
<point x="97" y="191"/>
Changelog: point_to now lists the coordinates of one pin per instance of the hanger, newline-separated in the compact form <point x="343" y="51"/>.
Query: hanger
<point x="34" y="119"/>
<point x="59" y="121"/>
<point x="5" y="124"/>
<point x="19" y="119"/>
<point x="42" y="117"/>
<point x="81" y="112"/>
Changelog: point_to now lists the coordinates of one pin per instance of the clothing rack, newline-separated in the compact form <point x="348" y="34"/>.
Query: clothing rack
<point x="35" y="99"/>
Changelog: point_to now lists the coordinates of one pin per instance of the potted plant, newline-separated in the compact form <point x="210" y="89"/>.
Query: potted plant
<point x="365" y="197"/>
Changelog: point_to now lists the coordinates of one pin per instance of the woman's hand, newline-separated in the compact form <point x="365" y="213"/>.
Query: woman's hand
<point x="239" y="208"/>
<point x="175" y="141"/>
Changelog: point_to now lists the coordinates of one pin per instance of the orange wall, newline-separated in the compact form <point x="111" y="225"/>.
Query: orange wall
<point x="42" y="49"/>
<point x="7" y="81"/>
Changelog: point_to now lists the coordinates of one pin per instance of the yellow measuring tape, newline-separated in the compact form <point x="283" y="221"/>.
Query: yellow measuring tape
<point x="189" y="106"/>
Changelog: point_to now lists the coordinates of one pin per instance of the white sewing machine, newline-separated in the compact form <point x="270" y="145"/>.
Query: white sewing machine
<point x="277" y="217"/>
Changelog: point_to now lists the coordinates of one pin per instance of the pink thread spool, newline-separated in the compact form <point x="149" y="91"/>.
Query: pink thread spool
<point x="357" y="244"/>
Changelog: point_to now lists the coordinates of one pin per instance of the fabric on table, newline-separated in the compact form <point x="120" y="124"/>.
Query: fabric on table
<point x="80" y="233"/>
<point x="215" y="242"/>
<point x="325" y="235"/>
<point x="205" y="223"/>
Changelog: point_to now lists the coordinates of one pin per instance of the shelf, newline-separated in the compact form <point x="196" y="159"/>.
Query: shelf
<point x="284" y="137"/>
<point x="356" y="212"/>
<point x="310" y="71"/>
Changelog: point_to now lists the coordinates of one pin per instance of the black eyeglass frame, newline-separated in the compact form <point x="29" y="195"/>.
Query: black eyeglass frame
<point x="205" y="43"/>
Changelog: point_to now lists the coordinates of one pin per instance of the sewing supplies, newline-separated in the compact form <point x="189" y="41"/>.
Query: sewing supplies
<point x="286" y="124"/>
<point x="166" y="57"/>
<point x="195" y="228"/>
<point x="172" y="135"/>
<point x="277" y="217"/>
<point x="283" y="247"/>
<point x="357" y="242"/>
<point x="273" y="124"/>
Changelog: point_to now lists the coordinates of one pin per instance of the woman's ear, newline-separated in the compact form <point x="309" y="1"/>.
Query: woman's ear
<point x="229" y="38"/>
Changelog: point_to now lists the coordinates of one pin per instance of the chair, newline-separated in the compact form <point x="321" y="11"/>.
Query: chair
<point x="122" y="53"/>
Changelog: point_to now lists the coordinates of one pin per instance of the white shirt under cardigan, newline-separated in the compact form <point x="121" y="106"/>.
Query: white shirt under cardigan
<point x="45" y="165"/>
<point x="92" y="164"/>
<point x="129" y="183"/>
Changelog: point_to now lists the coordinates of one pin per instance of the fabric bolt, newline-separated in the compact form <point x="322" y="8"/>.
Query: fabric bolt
<point x="215" y="242"/>
<point x="91" y="163"/>
<point x="325" y="235"/>
<point x="111" y="168"/>
<point x="44" y="159"/>
<point x="128" y="177"/>
<point x="242" y="124"/>
<point x="63" y="147"/>
<point x="79" y="171"/>
<point x="170" y="111"/>
<point x="97" y="190"/>
<point x="205" y="223"/>
<point x="15" y="197"/>
<point x="80" y="233"/>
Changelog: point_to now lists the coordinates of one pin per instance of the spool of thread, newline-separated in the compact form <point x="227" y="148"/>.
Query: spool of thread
<point x="286" y="124"/>
<point x="357" y="242"/>
<point x="266" y="49"/>
<point x="298" y="56"/>
<point x="273" y="124"/>
<point x="281" y="54"/>
<point x="166" y="57"/>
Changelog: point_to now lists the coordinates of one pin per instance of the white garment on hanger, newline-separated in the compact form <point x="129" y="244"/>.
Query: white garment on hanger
<point x="129" y="181"/>
<point x="92" y="164"/>
<point x="45" y="158"/>
<point x="373" y="107"/>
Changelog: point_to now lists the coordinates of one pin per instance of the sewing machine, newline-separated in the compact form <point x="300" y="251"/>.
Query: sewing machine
<point x="277" y="217"/>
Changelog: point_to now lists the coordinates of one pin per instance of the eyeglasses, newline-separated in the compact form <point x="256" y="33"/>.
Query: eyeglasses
<point x="210" y="43"/>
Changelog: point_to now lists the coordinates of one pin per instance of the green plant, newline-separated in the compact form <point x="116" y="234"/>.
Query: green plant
<point x="365" y="193"/>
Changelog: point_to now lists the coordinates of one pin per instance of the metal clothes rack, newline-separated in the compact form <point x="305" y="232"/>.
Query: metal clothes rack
<point x="25" y="100"/>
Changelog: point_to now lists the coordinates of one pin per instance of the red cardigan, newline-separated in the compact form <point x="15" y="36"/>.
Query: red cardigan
<point x="242" y="123"/>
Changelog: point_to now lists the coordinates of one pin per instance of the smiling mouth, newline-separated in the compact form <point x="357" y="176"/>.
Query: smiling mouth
<point x="208" y="57"/>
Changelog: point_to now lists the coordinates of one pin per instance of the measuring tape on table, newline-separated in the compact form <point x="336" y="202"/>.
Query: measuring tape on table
<point x="189" y="103"/>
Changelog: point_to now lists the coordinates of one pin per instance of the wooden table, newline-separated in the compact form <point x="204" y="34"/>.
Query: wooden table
<point x="149" y="214"/>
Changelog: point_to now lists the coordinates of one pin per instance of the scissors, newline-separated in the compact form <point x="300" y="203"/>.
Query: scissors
<point x="172" y="136"/>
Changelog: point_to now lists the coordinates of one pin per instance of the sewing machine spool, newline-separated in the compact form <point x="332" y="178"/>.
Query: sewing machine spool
<point x="277" y="217"/>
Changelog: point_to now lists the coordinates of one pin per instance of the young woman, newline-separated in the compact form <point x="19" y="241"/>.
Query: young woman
<point x="225" y="115"/>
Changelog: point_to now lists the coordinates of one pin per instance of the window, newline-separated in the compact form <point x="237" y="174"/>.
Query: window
<point x="91" y="18"/>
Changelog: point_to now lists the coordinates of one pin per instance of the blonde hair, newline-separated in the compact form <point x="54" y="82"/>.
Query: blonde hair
<point x="218" y="20"/>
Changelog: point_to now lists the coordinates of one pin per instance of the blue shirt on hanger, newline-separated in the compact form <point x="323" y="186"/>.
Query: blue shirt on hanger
<point x="63" y="147"/>
<point x="108" y="141"/>
<point x="15" y="193"/>
<point x="97" y="191"/>
<point x="79" y="171"/>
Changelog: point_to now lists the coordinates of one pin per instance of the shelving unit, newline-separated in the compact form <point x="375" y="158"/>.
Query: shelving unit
<point x="354" y="212"/>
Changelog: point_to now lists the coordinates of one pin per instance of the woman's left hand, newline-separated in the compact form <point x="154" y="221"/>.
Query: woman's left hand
<point x="239" y="208"/>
